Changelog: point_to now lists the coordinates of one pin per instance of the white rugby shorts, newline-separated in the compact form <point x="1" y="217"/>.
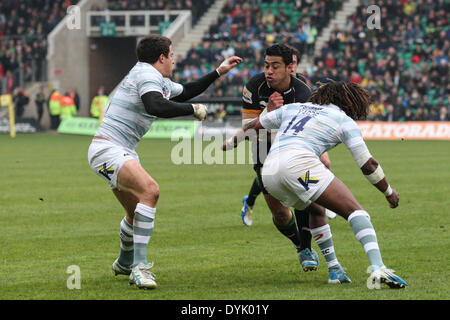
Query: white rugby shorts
<point x="107" y="158"/>
<point x="295" y="177"/>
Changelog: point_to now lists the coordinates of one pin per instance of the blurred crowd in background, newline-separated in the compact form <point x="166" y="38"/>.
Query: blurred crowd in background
<point x="24" y="27"/>
<point x="246" y="29"/>
<point x="404" y="64"/>
<point x="197" y="7"/>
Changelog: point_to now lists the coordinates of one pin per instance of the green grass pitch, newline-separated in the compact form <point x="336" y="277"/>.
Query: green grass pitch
<point x="55" y="212"/>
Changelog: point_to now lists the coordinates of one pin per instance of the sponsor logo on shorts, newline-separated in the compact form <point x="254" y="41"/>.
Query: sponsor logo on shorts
<point x="104" y="171"/>
<point x="306" y="179"/>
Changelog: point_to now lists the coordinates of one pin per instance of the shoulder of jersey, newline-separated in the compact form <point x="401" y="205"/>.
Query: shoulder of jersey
<point x="147" y="68"/>
<point x="299" y="83"/>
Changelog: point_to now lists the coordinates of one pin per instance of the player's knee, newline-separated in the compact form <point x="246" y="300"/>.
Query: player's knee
<point x="154" y="191"/>
<point x="281" y="216"/>
<point x="350" y="208"/>
<point x="316" y="210"/>
<point x="151" y="193"/>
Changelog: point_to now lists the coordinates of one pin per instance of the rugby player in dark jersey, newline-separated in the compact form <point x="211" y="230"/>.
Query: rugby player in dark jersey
<point x="265" y="92"/>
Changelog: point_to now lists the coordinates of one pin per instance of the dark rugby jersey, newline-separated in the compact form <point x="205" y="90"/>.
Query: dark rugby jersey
<point x="257" y="91"/>
<point x="255" y="97"/>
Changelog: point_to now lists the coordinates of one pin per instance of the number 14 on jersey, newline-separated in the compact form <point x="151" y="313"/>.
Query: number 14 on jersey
<point x="298" y="126"/>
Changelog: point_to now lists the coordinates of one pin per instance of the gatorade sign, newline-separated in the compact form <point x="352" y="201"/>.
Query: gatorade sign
<point x="414" y="130"/>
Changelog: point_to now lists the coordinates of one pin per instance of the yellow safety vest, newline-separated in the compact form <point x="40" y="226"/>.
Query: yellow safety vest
<point x="99" y="105"/>
<point x="68" y="108"/>
<point x="55" y="104"/>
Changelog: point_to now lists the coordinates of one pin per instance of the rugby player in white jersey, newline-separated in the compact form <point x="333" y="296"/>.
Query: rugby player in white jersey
<point x="324" y="157"/>
<point x="145" y="94"/>
<point x="294" y="175"/>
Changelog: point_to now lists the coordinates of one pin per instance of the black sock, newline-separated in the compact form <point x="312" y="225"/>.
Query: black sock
<point x="302" y="217"/>
<point x="254" y="192"/>
<point x="290" y="231"/>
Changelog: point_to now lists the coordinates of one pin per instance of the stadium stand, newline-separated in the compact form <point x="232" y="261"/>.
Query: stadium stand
<point x="245" y="29"/>
<point x="24" y="26"/>
<point x="404" y="65"/>
<point x="197" y="10"/>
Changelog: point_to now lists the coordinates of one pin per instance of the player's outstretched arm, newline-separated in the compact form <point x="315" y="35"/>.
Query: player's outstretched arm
<point x="196" y="87"/>
<point x="374" y="173"/>
<point x="241" y="134"/>
<point x="228" y="64"/>
<point x="352" y="138"/>
<point x="156" y="105"/>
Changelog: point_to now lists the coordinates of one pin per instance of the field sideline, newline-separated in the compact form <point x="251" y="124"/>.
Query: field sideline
<point x="55" y="213"/>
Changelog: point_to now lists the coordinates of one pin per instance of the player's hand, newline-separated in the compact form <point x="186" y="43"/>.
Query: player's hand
<point x="393" y="199"/>
<point x="228" y="144"/>
<point x="275" y="101"/>
<point x="200" y="111"/>
<point x="228" y="64"/>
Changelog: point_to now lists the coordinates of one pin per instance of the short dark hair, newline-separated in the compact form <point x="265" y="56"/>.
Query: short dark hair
<point x="280" y="50"/>
<point x="351" y="98"/>
<point x="296" y="53"/>
<point x="151" y="47"/>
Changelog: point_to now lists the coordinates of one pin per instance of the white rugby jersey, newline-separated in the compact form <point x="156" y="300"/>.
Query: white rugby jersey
<point x="314" y="128"/>
<point x="126" y="121"/>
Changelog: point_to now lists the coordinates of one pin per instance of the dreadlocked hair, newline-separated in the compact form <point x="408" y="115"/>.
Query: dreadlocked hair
<point x="349" y="97"/>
